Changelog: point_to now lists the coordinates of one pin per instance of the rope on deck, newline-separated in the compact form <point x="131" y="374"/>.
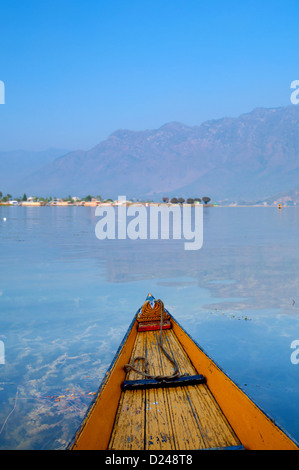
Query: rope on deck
<point x="146" y="373"/>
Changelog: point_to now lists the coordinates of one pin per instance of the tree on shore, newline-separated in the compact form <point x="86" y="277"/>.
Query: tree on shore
<point x="165" y="199"/>
<point x="206" y="199"/>
<point x="6" y="198"/>
<point x="190" y="200"/>
<point x="174" y="200"/>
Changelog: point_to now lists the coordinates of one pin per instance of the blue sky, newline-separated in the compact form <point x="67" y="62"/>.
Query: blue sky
<point x="76" y="71"/>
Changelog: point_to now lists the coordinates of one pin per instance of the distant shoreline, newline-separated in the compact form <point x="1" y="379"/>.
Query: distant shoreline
<point x="127" y="204"/>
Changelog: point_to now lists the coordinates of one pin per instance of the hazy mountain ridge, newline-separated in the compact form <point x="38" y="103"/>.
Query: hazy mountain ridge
<point x="16" y="165"/>
<point x="285" y="198"/>
<point x="250" y="157"/>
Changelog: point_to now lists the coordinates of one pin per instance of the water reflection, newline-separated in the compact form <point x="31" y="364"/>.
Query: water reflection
<point x="249" y="253"/>
<point x="67" y="298"/>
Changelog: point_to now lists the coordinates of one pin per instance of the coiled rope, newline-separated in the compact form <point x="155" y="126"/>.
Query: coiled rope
<point x="146" y="373"/>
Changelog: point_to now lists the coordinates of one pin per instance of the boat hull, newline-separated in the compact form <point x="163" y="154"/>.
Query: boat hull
<point x="254" y="428"/>
<point x="250" y="426"/>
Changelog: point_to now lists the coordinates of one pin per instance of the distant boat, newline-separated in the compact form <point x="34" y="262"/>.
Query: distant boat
<point x="279" y="206"/>
<point x="163" y="392"/>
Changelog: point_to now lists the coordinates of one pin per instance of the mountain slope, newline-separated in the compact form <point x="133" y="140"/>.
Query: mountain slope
<point x="18" y="164"/>
<point x="252" y="156"/>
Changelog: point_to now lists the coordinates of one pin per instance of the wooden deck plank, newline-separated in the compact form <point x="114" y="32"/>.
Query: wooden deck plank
<point x="163" y="419"/>
<point x="138" y="351"/>
<point x="213" y="425"/>
<point x="168" y="426"/>
<point x="185" y="366"/>
<point x="128" y="433"/>
<point x="158" y="430"/>
<point x="157" y="419"/>
<point x="187" y="435"/>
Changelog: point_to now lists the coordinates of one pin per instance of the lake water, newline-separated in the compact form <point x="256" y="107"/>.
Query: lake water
<point x="67" y="299"/>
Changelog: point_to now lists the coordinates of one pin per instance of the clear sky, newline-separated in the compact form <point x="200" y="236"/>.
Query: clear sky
<point x="76" y="71"/>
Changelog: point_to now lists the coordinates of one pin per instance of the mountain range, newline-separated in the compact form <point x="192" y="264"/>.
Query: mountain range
<point x="248" y="158"/>
<point x="17" y="165"/>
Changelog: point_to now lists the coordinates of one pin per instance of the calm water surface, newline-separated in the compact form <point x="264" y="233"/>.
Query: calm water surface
<point x="66" y="301"/>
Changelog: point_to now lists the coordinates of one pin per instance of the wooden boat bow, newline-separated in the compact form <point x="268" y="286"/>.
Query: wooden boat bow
<point x="163" y="392"/>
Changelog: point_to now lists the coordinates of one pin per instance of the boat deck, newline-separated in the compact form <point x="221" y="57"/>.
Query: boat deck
<point x="179" y="418"/>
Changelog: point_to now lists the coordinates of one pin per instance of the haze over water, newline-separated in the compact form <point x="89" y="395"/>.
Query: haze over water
<point x="67" y="299"/>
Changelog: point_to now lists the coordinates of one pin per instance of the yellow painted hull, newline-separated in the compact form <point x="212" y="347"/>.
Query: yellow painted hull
<point x="217" y="414"/>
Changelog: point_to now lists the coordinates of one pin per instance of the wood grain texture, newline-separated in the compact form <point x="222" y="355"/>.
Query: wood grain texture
<point x="184" y="417"/>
